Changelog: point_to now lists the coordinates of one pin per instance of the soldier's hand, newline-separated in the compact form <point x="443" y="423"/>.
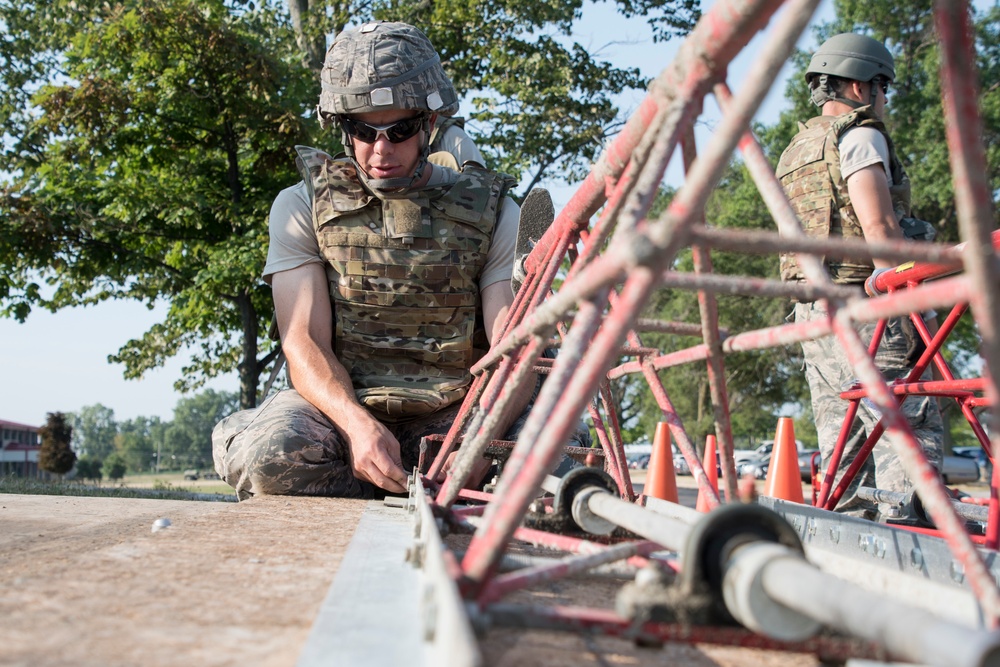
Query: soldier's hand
<point x="375" y="457"/>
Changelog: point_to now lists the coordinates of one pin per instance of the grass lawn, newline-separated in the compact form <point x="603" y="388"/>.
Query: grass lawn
<point x="164" y="486"/>
<point x="175" y="480"/>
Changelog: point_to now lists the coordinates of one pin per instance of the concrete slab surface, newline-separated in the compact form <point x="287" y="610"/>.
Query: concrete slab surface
<point x="85" y="581"/>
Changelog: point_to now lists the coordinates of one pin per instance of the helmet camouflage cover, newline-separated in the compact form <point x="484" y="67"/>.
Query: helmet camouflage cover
<point x="382" y="66"/>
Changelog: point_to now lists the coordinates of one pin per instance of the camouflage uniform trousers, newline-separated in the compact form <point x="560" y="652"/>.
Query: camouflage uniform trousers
<point x="829" y="373"/>
<point x="286" y="446"/>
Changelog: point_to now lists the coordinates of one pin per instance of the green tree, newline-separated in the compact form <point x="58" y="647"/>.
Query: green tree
<point x="56" y="455"/>
<point x="542" y="103"/>
<point x="758" y="384"/>
<point x="138" y="442"/>
<point x="115" y="467"/>
<point x="189" y="436"/>
<point x="89" y="468"/>
<point x="95" y="429"/>
<point x="145" y="142"/>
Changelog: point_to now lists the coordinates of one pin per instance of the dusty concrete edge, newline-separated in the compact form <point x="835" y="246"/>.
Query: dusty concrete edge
<point x="368" y="615"/>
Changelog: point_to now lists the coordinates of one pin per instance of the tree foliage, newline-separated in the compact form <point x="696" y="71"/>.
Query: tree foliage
<point x="143" y="444"/>
<point x="144" y="143"/>
<point x="541" y="102"/>
<point x="95" y="429"/>
<point x="89" y="468"/>
<point x="114" y="467"/>
<point x="56" y="455"/>
<point x="139" y="442"/>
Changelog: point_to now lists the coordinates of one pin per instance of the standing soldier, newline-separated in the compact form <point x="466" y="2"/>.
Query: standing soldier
<point x="843" y="178"/>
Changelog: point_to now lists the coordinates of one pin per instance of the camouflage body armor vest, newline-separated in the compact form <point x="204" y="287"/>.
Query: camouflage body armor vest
<point x="809" y="171"/>
<point x="403" y="275"/>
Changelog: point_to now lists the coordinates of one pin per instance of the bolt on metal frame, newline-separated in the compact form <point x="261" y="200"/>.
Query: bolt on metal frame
<point x="615" y="265"/>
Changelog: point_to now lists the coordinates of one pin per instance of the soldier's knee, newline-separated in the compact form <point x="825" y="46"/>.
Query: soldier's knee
<point x="265" y="483"/>
<point x="287" y="462"/>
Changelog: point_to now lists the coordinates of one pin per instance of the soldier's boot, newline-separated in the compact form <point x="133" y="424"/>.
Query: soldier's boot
<point x="537" y="214"/>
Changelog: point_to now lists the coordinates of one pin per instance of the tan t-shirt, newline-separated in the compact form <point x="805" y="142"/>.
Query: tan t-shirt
<point x="293" y="241"/>
<point x="457" y="142"/>
<point x="862" y="147"/>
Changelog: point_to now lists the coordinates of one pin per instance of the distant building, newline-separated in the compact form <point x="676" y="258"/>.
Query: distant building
<point x="19" y="447"/>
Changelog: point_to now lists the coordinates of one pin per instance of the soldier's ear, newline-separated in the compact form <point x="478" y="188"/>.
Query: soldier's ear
<point x="857" y="87"/>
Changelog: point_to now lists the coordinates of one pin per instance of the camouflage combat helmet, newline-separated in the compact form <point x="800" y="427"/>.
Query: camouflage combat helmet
<point x="848" y="56"/>
<point x="384" y="66"/>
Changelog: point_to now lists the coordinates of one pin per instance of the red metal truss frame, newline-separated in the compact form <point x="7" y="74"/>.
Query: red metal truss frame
<point x="616" y="264"/>
<point x="967" y="393"/>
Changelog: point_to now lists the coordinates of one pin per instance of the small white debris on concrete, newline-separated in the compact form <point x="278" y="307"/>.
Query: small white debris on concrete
<point x="161" y="524"/>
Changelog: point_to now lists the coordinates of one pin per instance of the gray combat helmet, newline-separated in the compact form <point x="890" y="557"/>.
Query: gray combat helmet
<point x="383" y="66"/>
<point x="851" y="56"/>
<point x="848" y="56"/>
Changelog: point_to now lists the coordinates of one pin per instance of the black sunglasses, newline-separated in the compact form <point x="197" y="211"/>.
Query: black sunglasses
<point x="396" y="132"/>
<point x="883" y="84"/>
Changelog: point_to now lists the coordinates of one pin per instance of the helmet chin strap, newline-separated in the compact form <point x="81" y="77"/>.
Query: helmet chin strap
<point x="387" y="188"/>
<point x="872" y="93"/>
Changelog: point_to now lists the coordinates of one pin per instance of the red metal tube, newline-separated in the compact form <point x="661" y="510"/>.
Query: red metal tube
<point x="608" y="623"/>
<point x="505" y="584"/>
<point x="973" y="197"/>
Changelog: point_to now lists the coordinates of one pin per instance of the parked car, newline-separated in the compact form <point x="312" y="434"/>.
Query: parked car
<point x="640" y="462"/>
<point x="746" y="466"/>
<point x="191" y="474"/>
<point x="977" y="454"/>
<point x="959" y="470"/>
<point x="744" y="455"/>
<point x="759" y="467"/>
<point x="805" y="463"/>
<point x="681" y="466"/>
<point x="954" y="469"/>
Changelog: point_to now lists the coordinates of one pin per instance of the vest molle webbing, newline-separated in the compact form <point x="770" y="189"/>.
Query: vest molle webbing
<point x="403" y="277"/>
<point x="809" y="171"/>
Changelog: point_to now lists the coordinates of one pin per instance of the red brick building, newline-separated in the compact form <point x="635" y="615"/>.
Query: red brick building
<point x="19" y="447"/>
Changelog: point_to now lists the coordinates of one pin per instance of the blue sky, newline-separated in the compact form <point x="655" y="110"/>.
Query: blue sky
<point x="58" y="362"/>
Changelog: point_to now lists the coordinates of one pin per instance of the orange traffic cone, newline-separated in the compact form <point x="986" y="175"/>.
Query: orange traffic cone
<point x="711" y="471"/>
<point x="660" y="480"/>
<point x="783" y="478"/>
